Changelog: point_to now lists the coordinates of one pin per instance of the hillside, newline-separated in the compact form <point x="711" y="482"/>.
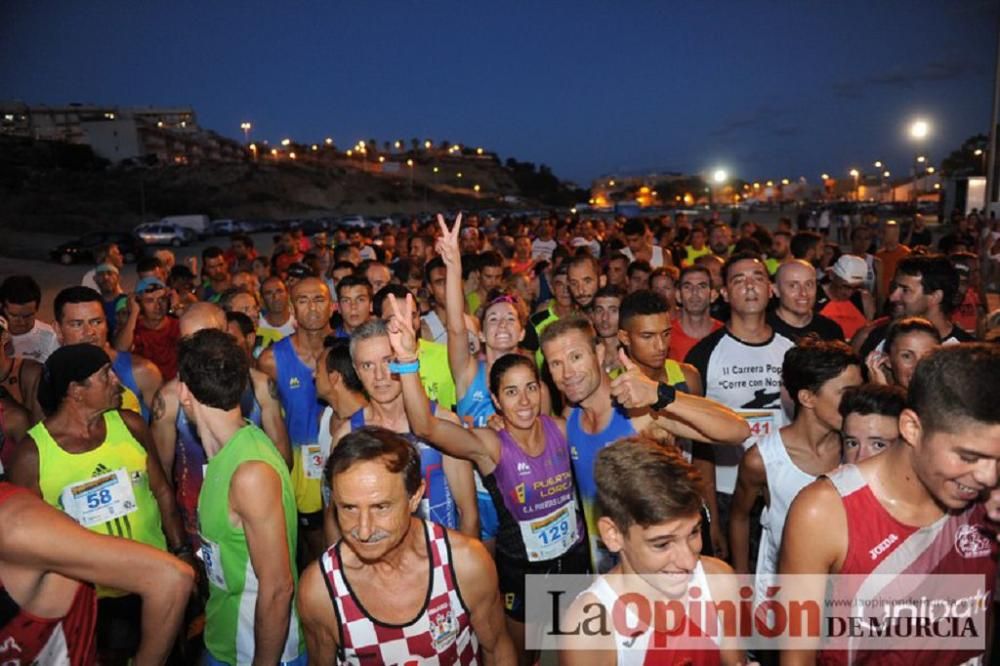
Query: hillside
<point x="62" y="188"/>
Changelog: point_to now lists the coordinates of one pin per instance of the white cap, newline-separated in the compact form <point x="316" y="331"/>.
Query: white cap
<point x="851" y="269"/>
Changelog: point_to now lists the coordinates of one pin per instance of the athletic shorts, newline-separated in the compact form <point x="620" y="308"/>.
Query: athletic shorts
<point x="311" y="521"/>
<point x="119" y="624"/>
<point x="511" y="575"/>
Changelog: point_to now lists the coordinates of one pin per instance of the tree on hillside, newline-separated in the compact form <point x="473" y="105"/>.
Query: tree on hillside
<point x="964" y="161"/>
<point x="415" y="144"/>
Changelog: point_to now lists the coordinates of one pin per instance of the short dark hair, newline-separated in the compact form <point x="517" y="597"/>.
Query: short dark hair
<point x="340" y="265"/>
<point x="505" y="363"/>
<point x="354" y="281"/>
<point x="610" y="291"/>
<point x="148" y="264"/>
<point x="641" y="303"/>
<point x="935" y="273"/>
<point x="737" y="257"/>
<point x="342" y="250"/>
<point x="956" y="384"/>
<point x="669" y="271"/>
<point x="802" y="242"/>
<point x="694" y="268"/>
<point x="372" y="443"/>
<point x="339" y="361"/>
<point x="434" y="264"/>
<point x="73" y="295"/>
<point x="585" y="258"/>
<point x="212" y="252"/>
<point x="873" y="399"/>
<point x="563" y="326"/>
<point x="243" y="321"/>
<point x="634" y="227"/>
<point x="813" y="362"/>
<point x="241" y="238"/>
<point x="637" y="266"/>
<point x="643" y="482"/>
<point x="490" y="258"/>
<point x="20" y="290"/>
<point x="617" y="256"/>
<point x="214" y="368"/>
<point x="908" y="325"/>
<point x="397" y="290"/>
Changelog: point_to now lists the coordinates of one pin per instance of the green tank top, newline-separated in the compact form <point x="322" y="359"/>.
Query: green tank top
<point x="105" y="489"/>
<point x="229" y="613"/>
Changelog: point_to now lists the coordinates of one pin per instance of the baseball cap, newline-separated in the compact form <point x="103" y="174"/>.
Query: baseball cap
<point x="851" y="269"/>
<point x="148" y="284"/>
<point x="300" y="270"/>
<point x="106" y="268"/>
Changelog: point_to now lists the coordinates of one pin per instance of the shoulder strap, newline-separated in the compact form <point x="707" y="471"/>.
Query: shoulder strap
<point x="675" y="375"/>
<point x="358" y="419"/>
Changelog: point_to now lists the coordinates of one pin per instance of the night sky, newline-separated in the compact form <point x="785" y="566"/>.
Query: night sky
<point x="765" y="89"/>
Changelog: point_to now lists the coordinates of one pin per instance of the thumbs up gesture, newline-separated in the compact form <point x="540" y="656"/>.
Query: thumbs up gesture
<point x="632" y="389"/>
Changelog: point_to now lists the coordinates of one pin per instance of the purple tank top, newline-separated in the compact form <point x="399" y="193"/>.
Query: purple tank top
<point x="538" y="492"/>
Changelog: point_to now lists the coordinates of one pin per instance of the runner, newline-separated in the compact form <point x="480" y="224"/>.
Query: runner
<point x="693" y="321"/>
<point x="80" y="317"/>
<point x="844" y="299"/>
<point x="96" y="463"/>
<point x="907" y="340"/>
<point x="396" y="588"/>
<point x="450" y="490"/>
<point x="604" y="315"/>
<point x="525" y="467"/>
<point x="276" y="321"/>
<point x="638" y="247"/>
<point x="584" y="278"/>
<point x="794" y="317"/>
<point x="246" y="513"/>
<point x="19" y="377"/>
<point x="916" y="508"/>
<point x="31" y="339"/>
<point x="780" y="464"/>
<point x="871" y="420"/>
<point x="648" y="508"/>
<point x="49" y="612"/>
<point x="435" y="279"/>
<point x="354" y="303"/>
<point x="175" y="435"/>
<point x="291" y="365"/>
<point x="149" y="329"/>
<point x="599" y="414"/>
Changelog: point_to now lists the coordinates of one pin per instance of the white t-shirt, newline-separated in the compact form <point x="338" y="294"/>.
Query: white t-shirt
<point x="89" y="280"/>
<point x="37" y="343"/>
<point x="543" y="249"/>
<point x="656" y="258"/>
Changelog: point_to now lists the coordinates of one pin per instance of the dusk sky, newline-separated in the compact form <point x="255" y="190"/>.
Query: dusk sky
<point x="764" y="89"/>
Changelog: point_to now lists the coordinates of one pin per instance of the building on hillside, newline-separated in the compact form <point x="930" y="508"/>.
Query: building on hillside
<point x="168" y="135"/>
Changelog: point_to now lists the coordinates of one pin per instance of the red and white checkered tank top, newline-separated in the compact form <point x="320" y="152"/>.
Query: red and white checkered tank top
<point x="440" y="634"/>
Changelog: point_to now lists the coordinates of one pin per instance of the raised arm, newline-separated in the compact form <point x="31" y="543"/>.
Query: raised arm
<point x="481" y="447"/>
<point x="463" y="365"/>
<point x="125" y="335"/>
<point x="163" y="427"/>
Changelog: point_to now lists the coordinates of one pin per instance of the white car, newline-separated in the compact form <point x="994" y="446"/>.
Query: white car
<point x="158" y="233"/>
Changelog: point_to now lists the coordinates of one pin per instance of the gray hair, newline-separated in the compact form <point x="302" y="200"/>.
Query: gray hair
<point x="373" y="328"/>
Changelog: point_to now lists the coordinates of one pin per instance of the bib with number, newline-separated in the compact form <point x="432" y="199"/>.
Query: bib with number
<point x="100" y="499"/>
<point x="762" y="423"/>
<point x="549" y="536"/>
<point x="211" y="555"/>
<point x="312" y="460"/>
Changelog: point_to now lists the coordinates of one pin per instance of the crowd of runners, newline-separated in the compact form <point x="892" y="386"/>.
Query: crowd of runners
<point x="357" y="449"/>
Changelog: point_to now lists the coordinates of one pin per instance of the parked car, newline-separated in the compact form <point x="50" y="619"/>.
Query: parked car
<point x="85" y="247"/>
<point x="158" y="233"/>
<point x="229" y="227"/>
<point x="352" y="221"/>
<point x="199" y="224"/>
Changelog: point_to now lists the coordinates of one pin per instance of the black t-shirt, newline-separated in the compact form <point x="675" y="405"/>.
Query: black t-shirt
<point x="824" y="327"/>
<point x="876" y="338"/>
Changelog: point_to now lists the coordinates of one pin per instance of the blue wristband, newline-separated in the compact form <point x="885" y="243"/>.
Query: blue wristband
<point x="404" y="368"/>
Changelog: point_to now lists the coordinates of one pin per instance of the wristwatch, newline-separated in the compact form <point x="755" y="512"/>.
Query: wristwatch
<point x="665" y="394"/>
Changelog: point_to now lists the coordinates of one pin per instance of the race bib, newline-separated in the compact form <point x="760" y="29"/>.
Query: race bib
<point x="312" y="460"/>
<point x="550" y="536"/>
<point x="762" y="422"/>
<point x="100" y="499"/>
<point x="211" y="555"/>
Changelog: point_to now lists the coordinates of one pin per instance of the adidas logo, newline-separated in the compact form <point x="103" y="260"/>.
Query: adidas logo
<point x="99" y="470"/>
<point x="523" y="468"/>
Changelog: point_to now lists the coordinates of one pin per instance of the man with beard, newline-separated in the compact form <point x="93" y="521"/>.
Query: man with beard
<point x="794" y="317"/>
<point x="396" y="587"/>
<point x="915" y="509"/>
<point x="606" y="410"/>
<point x="779" y="252"/>
<point x="720" y="239"/>
<point x="96" y="463"/>
<point x="214" y="273"/>
<point x="693" y="322"/>
<point x="604" y="316"/>
<point x="584" y="275"/>
<point x="291" y="364"/>
<point x="276" y="321"/>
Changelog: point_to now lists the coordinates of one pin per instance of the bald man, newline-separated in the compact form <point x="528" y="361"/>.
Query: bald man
<point x="291" y="364"/>
<point x="796" y="316"/>
<point x="176" y="437"/>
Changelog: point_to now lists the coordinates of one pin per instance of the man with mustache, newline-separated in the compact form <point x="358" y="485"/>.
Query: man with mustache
<point x="396" y="588"/>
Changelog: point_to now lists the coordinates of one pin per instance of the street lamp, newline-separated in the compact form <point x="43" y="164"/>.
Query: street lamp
<point x="246" y="127"/>
<point x="919" y="129"/>
<point x="718" y="177"/>
<point x="878" y="164"/>
<point x="854" y="173"/>
<point x="409" y="163"/>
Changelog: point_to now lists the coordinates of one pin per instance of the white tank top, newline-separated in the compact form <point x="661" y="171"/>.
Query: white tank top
<point x="632" y="650"/>
<point x="784" y="481"/>
<point x="325" y="441"/>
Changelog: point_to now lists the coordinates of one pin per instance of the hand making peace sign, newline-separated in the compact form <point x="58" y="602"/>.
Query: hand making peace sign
<point x="402" y="337"/>
<point x="447" y="245"/>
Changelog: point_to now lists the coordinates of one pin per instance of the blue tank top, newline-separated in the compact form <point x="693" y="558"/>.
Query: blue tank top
<point x="190" y="461"/>
<point x="297" y="392"/>
<point x="438" y="504"/>
<point x="132" y="397"/>
<point x="583" y="449"/>
<point x="476" y="406"/>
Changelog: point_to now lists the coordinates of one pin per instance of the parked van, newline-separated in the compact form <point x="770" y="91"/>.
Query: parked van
<point x="199" y="224"/>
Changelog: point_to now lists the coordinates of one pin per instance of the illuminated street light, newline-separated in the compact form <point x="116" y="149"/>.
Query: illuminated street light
<point x="770" y="183"/>
<point x="436" y="169"/>
<point x="381" y="158"/>
<point x="292" y="155"/>
<point x="978" y="152"/>
<point x="825" y="176"/>
<point x="314" y="147"/>
<point x="479" y="151"/>
<point x="784" y="181"/>
<point x="611" y="183"/>
<point x="246" y="127"/>
<point x="919" y="129"/>
<point x="428" y="144"/>
<point x="855" y="174"/>
<point x="878" y="164"/>
<point x="274" y="152"/>
<point x="921" y="159"/>
<point x="930" y="169"/>
<point x="286" y="142"/>
<point x="409" y="163"/>
<point x="350" y="153"/>
<point x="719" y="176"/>
<point x="886" y="174"/>
<point x="475" y="187"/>
<point x="328" y="141"/>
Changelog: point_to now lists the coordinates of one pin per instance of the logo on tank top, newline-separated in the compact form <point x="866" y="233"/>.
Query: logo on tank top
<point x="294" y="383"/>
<point x="478" y="396"/>
<point x="444" y="628"/>
<point x="523" y="468"/>
<point x="883" y="546"/>
<point x="970" y="542"/>
<point x="518" y="494"/>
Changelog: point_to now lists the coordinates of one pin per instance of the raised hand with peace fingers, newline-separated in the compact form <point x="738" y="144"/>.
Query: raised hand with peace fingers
<point x="447" y="245"/>
<point x="402" y="337"/>
<point x="632" y="389"/>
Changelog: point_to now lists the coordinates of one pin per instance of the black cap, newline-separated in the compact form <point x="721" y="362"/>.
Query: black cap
<point x="72" y="363"/>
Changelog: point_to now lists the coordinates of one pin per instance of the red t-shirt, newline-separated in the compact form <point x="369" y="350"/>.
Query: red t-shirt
<point x="159" y="345"/>
<point x="681" y="343"/>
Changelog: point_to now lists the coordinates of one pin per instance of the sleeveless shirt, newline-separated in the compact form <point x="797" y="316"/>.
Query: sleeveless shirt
<point x="297" y="393"/>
